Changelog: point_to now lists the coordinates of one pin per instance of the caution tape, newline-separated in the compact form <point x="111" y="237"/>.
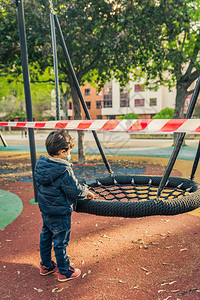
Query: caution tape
<point x="140" y="125"/>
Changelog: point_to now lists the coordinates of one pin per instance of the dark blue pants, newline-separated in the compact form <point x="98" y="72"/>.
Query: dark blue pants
<point x="56" y="231"/>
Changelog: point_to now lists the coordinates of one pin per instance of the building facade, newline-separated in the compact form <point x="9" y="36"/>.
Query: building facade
<point x="113" y="102"/>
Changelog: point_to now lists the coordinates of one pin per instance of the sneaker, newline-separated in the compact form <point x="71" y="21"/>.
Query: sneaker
<point x="48" y="270"/>
<point x="71" y="274"/>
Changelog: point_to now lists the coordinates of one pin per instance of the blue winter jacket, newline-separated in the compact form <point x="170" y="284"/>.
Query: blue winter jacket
<point x="58" y="188"/>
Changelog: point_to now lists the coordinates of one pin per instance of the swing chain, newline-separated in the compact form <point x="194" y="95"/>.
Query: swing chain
<point x="51" y="7"/>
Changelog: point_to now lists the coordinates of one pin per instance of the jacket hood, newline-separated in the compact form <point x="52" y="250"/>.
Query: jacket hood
<point x="48" y="169"/>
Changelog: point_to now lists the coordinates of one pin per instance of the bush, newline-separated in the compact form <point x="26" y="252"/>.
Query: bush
<point x="167" y="113"/>
<point x="129" y="116"/>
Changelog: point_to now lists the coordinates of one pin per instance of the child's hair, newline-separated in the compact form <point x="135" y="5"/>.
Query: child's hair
<point x="58" y="140"/>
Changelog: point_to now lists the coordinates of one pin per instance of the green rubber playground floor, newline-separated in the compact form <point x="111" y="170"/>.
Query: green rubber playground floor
<point x="11" y="207"/>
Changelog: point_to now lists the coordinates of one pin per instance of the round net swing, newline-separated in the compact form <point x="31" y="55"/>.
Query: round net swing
<point x="135" y="196"/>
<point x="130" y="196"/>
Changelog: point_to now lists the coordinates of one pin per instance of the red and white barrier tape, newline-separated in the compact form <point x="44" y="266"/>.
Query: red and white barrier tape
<point x="140" y="125"/>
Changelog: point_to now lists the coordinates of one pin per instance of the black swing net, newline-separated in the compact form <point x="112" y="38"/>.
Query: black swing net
<point x="134" y="196"/>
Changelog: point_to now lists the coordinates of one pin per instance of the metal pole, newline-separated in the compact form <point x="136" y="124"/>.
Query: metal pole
<point x="67" y="57"/>
<point x="55" y="60"/>
<point x="179" y="140"/>
<point x="27" y="91"/>
<point x="196" y="161"/>
<point x="3" y="140"/>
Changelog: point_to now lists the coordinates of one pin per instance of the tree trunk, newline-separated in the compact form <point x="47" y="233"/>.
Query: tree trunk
<point x="78" y="116"/>
<point x="81" y="147"/>
<point x="181" y="94"/>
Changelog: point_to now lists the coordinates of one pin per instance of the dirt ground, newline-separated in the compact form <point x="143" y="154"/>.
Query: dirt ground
<point x="154" y="257"/>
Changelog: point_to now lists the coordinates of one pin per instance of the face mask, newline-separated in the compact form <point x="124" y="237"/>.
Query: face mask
<point x="68" y="157"/>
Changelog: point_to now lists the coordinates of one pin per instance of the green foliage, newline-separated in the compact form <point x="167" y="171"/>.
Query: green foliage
<point x="170" y="38"/>
<point x="129" y="116"/>
<point x="107" y="39"/>
<point x="167" y="113"/>
<point x="12" y="95"/>
<point x="11" y="86"/>
<point x="91" y="30"/>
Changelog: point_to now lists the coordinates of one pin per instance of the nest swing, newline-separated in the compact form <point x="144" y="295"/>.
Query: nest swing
<point x="128" y="196"/>
<point x="137" y="196"/>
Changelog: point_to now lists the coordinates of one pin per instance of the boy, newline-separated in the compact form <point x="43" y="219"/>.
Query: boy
<point x="58" y="191"/>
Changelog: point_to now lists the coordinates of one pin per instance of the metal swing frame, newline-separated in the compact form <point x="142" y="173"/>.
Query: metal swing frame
<point x="98" y="207"/>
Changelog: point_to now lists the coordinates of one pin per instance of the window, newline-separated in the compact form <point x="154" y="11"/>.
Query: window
<point x="87" y="92"/>
<point x="112" y="117"/>
<point x="88" y="103"/>
<point x="98" y="104"/>
<point x="153" y="102"/>
<point x="99" y="117"/>
<point x="124" y="98"/>
<point x="107" y="103"/>
<point x="138" y="88"/>
<point x="139" y="102"/>
<point x="107" y="95"/>
<point x="124" y="102"/>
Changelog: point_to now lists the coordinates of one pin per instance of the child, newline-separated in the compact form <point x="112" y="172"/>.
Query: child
<point x="58" y="191"/>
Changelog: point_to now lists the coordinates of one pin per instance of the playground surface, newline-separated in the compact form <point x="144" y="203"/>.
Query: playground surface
<point x="154" y="257"/>
<point x="113" y="143"/>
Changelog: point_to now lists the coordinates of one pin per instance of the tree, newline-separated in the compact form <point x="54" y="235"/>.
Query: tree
<point x="169" y="44"/>
<point x="12" y="99"/>
<point x="91" y="32"/>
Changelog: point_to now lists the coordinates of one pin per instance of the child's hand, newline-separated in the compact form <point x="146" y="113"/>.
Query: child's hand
<point x="90" y="195"/>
